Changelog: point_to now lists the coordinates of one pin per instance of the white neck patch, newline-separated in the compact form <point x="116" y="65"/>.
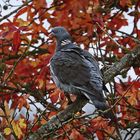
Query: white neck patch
<point x="65" y="42"/>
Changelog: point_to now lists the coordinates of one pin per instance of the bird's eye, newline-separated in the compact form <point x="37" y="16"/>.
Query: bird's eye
<point x="57" y="31"/>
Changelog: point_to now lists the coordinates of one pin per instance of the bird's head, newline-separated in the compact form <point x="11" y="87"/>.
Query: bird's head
<point x="61" y="34"/>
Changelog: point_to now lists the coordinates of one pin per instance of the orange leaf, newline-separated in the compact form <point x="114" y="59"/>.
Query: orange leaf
<point x="43" y="121"/>
<point x="23" y="102"/>
<point x="50" y="86"/>
<point x="41" y="83"/>
<point x="51" y="114"/>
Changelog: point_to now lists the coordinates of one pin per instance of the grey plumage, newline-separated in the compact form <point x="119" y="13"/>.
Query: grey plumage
<point x="75" y="71"/>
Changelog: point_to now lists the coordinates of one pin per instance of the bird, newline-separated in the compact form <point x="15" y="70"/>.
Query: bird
<point x="75" y="70"/>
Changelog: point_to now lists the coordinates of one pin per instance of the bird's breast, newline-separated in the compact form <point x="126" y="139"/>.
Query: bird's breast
<point x="64" y="87"/>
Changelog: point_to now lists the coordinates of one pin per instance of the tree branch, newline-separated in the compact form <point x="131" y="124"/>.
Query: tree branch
<point x="56" y="121"/>
<point x="127" y="61"/>
<point x="14" y="11"/>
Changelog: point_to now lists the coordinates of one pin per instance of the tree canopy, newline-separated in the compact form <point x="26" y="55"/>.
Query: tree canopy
<point x="31" y="107"/>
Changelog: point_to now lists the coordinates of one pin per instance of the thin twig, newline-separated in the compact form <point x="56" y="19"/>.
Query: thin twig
<point x="119" y="98"/>
<point x="120" y="46"/>
<point x="8" y="121"/>
<point x="12" y="70"/>
<point x="15" y="11"/>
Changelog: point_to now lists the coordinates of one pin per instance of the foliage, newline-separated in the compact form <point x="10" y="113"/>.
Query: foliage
<point x="25" y="51"/>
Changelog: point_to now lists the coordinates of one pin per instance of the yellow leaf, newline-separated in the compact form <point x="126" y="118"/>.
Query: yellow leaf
<point x="22" y="22"/>
<point x="7" y="131"/>
<point x="22" y="123"/>
<point x="17" y="129"/>
<point x="34" y="63"/>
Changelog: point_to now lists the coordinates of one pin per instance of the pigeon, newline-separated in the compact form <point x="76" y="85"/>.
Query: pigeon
<point x="75" y="71"/>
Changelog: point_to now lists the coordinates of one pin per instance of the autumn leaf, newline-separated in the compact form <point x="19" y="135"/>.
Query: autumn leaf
<point x="100" y="27"/>
<point x="75" y="135"/>
<point x="51" y="86"/>
<point x="7" y="131"/>
<point x="99" y="123"/>
<point x="55" y="95"/>
<point x="9" y="112"/>
<point x="40" y="83"/>
<point x="100" y="135"/>
<point x="16" y="40"/>
<point x="43" y="121"/>
<point x="125" y="3"/>
<point x="23" y="102"/>
<point x="20" y="12"/>
<point x="22" y="123"/>
<point x="51" y="114"/>
<point x="22" y="23"/>
<point x="18" y="127"/>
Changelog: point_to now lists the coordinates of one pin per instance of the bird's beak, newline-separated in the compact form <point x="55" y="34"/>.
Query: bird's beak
<point x="51" y="35"/>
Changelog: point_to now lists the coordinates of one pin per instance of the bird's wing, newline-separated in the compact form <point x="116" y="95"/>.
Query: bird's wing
<point x="71" y="67"/>
<point x="94" y="62"/>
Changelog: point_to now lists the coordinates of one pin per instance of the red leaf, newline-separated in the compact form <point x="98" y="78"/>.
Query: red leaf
<point x="125" y="3"/>
<point x="16" y="41"/>
<point x="75" y="135"/>
<point x="137" y="71"/>
<point x="35" y="127"/>
<point x="20" y="12"/>
<point x="100" y="135"/>
<point x="54" y="96"/>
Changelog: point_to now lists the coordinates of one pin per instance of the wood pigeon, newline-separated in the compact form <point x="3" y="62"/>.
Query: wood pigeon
<point x="75" y="71"/>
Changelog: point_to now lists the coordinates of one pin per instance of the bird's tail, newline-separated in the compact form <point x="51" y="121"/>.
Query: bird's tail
<point x="104" y="109"/>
